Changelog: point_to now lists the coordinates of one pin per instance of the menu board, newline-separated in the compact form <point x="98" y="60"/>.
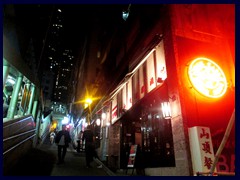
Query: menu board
<point x="132" y="156"/>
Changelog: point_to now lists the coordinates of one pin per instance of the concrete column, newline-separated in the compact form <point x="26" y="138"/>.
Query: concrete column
<point x="31" y="99"/>
<point x="34" y="110"/>
<point x="5" y="73"/>
<point x="14" y="99"/>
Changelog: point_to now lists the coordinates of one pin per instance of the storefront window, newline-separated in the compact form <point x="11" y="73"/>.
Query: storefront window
<point x="157" y="142"/>
<point x="145" y="126"/>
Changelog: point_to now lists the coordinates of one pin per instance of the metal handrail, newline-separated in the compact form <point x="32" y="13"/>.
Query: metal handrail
<point x="18" y="144"/>
<point x="15" y="136"/>
<point x="16" y="122"/>
<point x="19" y="135"/>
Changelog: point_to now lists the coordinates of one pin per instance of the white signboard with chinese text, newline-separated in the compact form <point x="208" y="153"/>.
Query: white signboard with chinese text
<point x="142" y="87"/>
<point x="129" y="94"/>
<point x="114" y="109"/>
<point x="135" y="87"/>
<point x="151" y="84"/>
<point x="201" y="149"/>
<point x="124" y="97"/>
<point x="161" y="64"/>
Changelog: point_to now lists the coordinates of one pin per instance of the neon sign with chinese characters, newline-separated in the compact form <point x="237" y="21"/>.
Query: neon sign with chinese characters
<point x="207" y="78"/>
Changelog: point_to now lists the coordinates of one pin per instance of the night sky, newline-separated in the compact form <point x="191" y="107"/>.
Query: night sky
<point x="78" y="20"/>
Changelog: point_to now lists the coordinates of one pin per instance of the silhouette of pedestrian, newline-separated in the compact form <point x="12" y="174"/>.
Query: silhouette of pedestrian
<point x="62" y="140"/>
<point x="88" y="137"/>
<point x="139" y="162"/>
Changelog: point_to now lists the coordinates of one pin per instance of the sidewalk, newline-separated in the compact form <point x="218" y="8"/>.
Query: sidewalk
<point x="42" y="161"/>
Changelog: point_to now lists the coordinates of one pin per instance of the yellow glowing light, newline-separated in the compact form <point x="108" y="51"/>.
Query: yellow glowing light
<point x="207" y="77"/>
<point x="89" y="101"/>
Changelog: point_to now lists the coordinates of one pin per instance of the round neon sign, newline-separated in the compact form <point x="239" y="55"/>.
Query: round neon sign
<point x="207" y="77"/>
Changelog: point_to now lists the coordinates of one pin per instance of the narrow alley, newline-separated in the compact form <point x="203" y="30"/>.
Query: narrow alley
<point x="42" y="161"/>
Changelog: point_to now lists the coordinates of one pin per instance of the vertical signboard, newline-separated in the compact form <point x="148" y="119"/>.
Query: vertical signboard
<point x="129" y="94"/>
<point x="142" y="88"/>
<point x="201" y="149"/>
<point x="151" y="79"/>
<point x="132" y="156"/>
<point x="114" y="109"/>
<point x="124" y="97"/>
<point x="135" y="87"/>
<point x="161" y="64"/>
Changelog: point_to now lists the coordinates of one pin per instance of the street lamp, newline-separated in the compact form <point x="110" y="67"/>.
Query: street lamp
<point x="88" y="102"/>
<point x="98" y="122"/>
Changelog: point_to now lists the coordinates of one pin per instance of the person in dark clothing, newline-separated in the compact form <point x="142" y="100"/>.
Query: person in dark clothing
<point x="139" y="162"/>
<point x="62" y="140"/>
<point x="90" y="152"/>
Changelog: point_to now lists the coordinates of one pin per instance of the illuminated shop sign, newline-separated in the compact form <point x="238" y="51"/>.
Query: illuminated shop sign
<point x="201" y="149"/>
<point x="207" y="78"/>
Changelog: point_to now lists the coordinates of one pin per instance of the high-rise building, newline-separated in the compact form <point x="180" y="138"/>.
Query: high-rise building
<point x="59" y="58"/>
<point x="63" y="74"/>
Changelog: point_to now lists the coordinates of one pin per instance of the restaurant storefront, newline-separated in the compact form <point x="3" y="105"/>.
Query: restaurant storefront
<point x="141" y="115"/>
<point x="185" y="81"/>
<point x="146" y="126"/>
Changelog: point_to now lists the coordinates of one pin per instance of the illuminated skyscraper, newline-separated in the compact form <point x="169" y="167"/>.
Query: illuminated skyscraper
<point x="59" y="58"/>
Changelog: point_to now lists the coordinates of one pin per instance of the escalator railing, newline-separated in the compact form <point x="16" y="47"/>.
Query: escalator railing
<point x="18" y="137"/>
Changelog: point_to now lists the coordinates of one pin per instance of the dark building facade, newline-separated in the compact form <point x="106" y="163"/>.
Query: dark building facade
<point x="154" y="102"/>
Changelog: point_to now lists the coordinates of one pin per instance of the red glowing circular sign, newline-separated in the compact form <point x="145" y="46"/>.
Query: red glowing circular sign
<point x="207" y="77"/>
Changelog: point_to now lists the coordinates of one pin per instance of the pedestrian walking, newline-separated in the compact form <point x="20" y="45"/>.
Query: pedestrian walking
<point x="139" y="161"/>
<point x="79" y="141"/>
<point x="62" y="140"/>
<point x="52" y="137"/>
<point x="90" y="152"/>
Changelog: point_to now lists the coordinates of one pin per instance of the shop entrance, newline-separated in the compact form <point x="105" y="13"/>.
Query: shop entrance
<point x="145" y="126"/>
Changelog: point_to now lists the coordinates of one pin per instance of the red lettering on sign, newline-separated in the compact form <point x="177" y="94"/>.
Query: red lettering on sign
<point x="208" y="162"/>
<point x="206" y="147"/>
<point x="204" y="134"/>
<point x="151" y="81"/>
<point x="143" y="89"/>
<point x="130" y="100"/>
